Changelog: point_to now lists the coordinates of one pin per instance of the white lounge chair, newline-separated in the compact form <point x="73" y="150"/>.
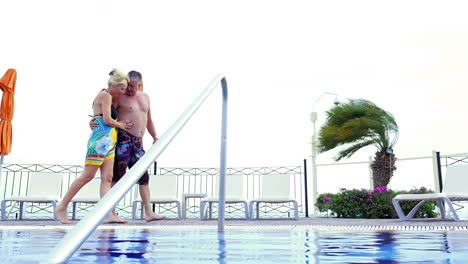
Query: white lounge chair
<point x="235" y="194"/>
<point x="275" y="189"/>
<point x="454" y="189"/>
<point x="89" y="194"/>
<point x="163" y="190"/>
<point x="43" y="187"/>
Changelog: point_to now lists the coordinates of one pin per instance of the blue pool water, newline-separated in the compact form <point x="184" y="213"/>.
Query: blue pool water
<point x="242" y="246"/>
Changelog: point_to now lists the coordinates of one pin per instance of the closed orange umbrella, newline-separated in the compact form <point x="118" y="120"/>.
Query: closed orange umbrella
<point x="140" y="87"/>
<point x="7" y="85"/>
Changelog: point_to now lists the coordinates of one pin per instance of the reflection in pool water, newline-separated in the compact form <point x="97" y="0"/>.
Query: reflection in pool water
<point x="242" y="246"/>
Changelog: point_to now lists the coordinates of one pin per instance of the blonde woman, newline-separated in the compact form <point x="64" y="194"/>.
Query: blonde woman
<point x="101" y="145"/>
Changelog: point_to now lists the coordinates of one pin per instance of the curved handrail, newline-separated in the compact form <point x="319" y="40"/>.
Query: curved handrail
<point x="76" y="236"/>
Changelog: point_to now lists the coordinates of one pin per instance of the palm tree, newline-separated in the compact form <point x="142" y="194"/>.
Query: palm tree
<point x="359" y="123"/>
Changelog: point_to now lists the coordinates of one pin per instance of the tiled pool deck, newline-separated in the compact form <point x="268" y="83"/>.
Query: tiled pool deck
<point x="313" y="223"/>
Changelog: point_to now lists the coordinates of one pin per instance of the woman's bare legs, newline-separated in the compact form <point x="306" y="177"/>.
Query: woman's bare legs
<point x="86" y="176"/>
<point x="107" y="171"/>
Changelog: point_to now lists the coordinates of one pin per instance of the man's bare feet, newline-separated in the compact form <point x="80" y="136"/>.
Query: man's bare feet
<point x="61" y="215"/>
<point x="115" y="219"/>
<point x="153" y="217"/>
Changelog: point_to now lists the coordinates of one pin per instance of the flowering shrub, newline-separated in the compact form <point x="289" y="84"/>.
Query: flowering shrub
<point x="370" y="204"/>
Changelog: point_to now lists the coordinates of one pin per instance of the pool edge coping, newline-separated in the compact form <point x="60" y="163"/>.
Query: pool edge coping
<point x="251" y="227"/>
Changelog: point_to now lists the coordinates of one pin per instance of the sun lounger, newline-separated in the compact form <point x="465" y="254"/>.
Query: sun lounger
<point x="454" y="189"/>
<point x="275" y="189"/>
<point x="234" y="195"/>
<point x="43" y="188"/>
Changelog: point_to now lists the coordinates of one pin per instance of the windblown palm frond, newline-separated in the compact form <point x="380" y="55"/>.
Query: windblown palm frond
<point x="357" y="124"/>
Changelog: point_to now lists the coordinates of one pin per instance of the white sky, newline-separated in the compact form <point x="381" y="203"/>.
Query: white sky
<point x="408" y="57"/>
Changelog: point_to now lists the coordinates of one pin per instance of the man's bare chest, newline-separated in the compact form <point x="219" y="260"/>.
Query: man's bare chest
<point x="133" y="105"/>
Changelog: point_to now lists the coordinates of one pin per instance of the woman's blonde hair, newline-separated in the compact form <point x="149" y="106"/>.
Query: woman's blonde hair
<point x="116" y="76"/>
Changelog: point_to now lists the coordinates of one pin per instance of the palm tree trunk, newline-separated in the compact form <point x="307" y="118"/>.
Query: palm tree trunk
<point x="382" y="168"/>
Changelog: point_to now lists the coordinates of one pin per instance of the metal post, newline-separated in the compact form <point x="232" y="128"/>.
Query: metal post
<point x="437" y="171"/>
<point x="305" y="190"/>
<point x="222" y="165"/>
<point x="314" y="195"/>
<point x="1" y="168"/>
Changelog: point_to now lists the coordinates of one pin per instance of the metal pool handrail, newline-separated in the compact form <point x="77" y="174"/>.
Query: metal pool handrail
<point x="76" y="236"/>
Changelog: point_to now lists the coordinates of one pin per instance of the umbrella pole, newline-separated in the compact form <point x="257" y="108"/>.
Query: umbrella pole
<point x="1" y="167"/>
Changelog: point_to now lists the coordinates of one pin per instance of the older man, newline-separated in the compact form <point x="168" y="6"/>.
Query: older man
<point x="134" y="105"/>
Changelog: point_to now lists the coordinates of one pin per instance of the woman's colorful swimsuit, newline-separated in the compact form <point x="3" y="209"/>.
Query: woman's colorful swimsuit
<point x="101" y="144"/>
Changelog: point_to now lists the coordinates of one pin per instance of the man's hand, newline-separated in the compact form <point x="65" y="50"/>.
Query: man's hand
<point x="155" y="139"/>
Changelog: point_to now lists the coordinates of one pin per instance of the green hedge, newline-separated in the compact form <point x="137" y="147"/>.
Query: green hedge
<point x="371" y="204"/>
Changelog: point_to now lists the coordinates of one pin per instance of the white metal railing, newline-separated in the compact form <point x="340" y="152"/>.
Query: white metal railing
<point x="76" y="237"/>
<point x="411" y="172"/>
<point x="190" y="180"/>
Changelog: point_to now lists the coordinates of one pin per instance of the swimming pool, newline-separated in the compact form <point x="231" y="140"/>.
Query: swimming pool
<point x="241" y="245"/>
